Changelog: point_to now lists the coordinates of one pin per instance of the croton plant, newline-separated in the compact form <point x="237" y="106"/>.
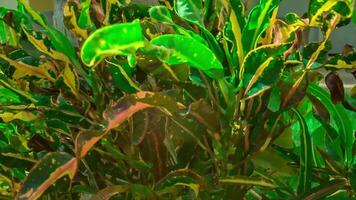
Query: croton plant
<point x="183" y="99"/>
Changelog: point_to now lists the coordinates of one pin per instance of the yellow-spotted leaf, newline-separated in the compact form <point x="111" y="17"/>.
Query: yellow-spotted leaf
<point x="46" y="172"/>
<point x="117" y="39"/>
<point x="318" y="9"/>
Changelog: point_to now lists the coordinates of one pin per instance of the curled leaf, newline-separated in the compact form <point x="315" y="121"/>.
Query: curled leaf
<point x="117" y="39"/>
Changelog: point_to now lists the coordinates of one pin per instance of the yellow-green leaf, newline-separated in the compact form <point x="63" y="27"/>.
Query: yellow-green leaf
<point x="22" y="115"/>
<point x="71" y="79"/>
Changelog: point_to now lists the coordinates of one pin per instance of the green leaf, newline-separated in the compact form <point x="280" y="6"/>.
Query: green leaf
<point x="274" y="102"/>
<point x="36" y="16"/>
<point x="190" y="10"/>
<point x="262" y="67"/>
<point x="318" y="9"/>
<point x="105" y="42"/>
<point x="181" y="49"/>
<point x="84" y="20"/>
<point x="161" y="14"/>
<point x="257" y="22"/>
<point x="51" y="168"/>
<point x="339" y="119"/>
<point x="306" y="158"/>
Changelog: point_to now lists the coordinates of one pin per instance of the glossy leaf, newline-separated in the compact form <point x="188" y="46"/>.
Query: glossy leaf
<point x="51" y="168"/>
<point x="181" y="49"/>
<point x="104" y="42"/>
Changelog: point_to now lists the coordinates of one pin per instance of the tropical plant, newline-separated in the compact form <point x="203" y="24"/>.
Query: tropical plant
<point x="184" y="99"/>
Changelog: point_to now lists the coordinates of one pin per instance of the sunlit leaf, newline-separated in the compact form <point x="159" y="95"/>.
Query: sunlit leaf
<point x="104" y="42"/>
<point x="182" y="49"/>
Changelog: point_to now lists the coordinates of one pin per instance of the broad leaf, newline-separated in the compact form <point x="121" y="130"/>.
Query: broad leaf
<point x="181" y="49"/>
<point x="105" y="42"/>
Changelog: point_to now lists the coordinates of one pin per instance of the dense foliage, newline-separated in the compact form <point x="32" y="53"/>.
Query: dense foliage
<point x="184" y="99"/>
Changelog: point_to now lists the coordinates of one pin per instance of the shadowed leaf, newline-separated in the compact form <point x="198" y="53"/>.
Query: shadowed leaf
<point x="48" y="170"/>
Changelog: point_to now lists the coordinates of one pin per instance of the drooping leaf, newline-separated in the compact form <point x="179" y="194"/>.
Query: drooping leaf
<point x="84" y="20"/>
<point x="336" y="87"/>
<point x="51" y="168"/>
<point x="306" y="158"/>
<point x="105" y="42"/>
<point x="181" y="49"/>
